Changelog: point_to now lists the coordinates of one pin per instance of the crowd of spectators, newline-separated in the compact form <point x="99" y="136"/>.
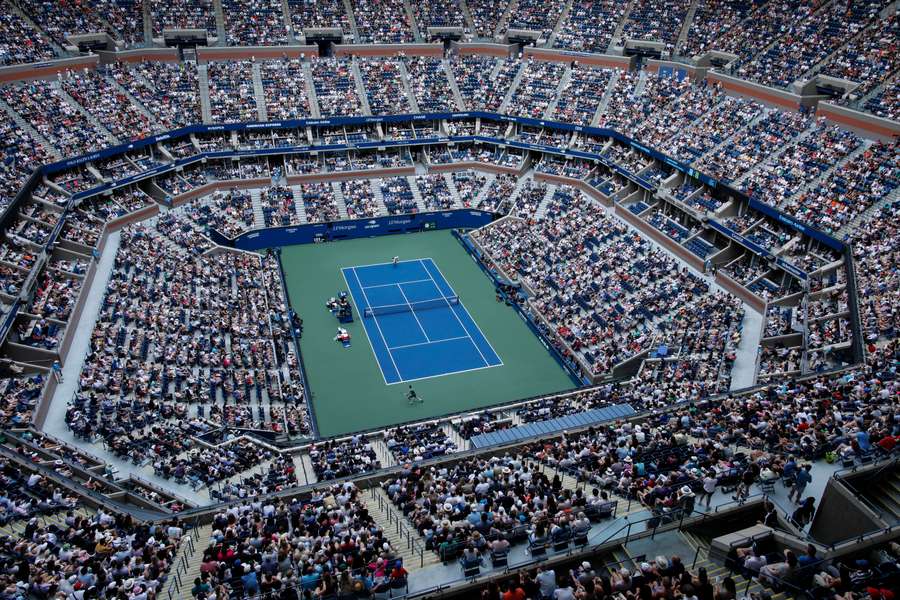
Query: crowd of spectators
<point x="579" y="98"/>
<point x="534" y="15"/>
<point x="482" y="83"/>
<point x="590" y="26"/>
<point x="335" y="87"/>
<point x="385" y="91"/>
<point x="382" y="22"/>
<point x="284" y="87"/>
<point x="254" y="22"/>
<point x="808" y="41"/>
<point x="713" y="19"/>
<point x="189" y="14"/>
<point x="536" y="90"/>
<point x="59" y="121"/>
<point x="316" y="544"/>
<point x="20" y="43"/>
<point x="657" y="21"/>
<point x="231" y="95"/>
<point x="752" y="145"/>
<point x="429" y="85"/>
<point x="98" y="554"/>
<point x="486" y="15"/>
<point x="333" y="459"/>
<point x="319" y="202"/>
<point x="121" y="20"/>
<point x="308" y="14"/>
<point x="359" y="198"/>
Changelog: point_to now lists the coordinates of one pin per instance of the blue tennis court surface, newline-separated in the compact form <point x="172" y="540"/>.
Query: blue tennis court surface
<point x="416" y="325"/>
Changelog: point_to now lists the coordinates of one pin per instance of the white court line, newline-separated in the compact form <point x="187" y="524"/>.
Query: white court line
<point x="415" y="316"/>
<point x="462" y="337"/>
<point x="453" y="293"/>
<point x="384" y="341"/>
<point x="446" y="374"/>
<point x="380" y="285"/>
<point x="386" y="263"/>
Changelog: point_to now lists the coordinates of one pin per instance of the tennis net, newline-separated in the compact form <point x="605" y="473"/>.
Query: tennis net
<point x="388" y="309"/>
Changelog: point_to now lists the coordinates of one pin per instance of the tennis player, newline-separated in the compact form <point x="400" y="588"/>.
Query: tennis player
<point x="396" y="261"/>
<point x="413" y="397"/>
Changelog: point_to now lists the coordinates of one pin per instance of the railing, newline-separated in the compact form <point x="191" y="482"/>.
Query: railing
<point x="183" y="562"/>
<point x="400" y="526"/>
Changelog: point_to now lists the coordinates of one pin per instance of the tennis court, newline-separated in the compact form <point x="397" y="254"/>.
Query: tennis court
<point x="416" y="324"/>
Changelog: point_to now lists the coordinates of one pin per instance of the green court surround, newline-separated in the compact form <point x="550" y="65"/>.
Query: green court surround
<point x="349" y="393"/>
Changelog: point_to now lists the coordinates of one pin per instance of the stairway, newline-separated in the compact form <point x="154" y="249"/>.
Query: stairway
<point x="563" y="18"/>
<point x="259" y="219"/>
<point x="360" y="86"/>
<point x="717" y="571"/>
<point x="641" y="84"/>
<point x="375" y="184"/>
<point x="620" y="27"/>
<point x="311" y="91"/>
<point x="771" y="158"/>
<point x="203" y="83"/>
<point x="339" y="199"/>
<point x="417" y="193"/>
<point x="259" y="93"/>
<point x="686" y="26"/>
<point x="348" y="9"/>
<point x="541" y="210"/>
<point x="451" y="185"/>
<point x="157" y="126"/>
<point x="489" y="183"/>
<point x="403" y="537"/>
<point x="461" y="443"/>
<point x="299" y="204"/>
<point x="418" y="35"/>
<point x="451" y="78"/>
<point x="220" y="23"/>
<point x="563" y="82"/>
<point x="87" y="114"/>
<point x="607" y="96"/>
<point x="404" y="79"/>
<point x="885" y="495"/>
<point x="13" y="8"/>
<point x="303" y="468"/>
<point x="26" y="126"/>
<point x="867" y="214"/>
<point x="512" y="88"/>
<point x="503" y="22"/>
<point x="467" y="15"/>
<point x="383" y="453"/>
<point x="193" y="544"/>
<point x="148" y="23"/>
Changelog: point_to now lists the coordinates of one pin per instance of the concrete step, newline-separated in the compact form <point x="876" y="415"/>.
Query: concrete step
<point x="512" y="88"/>
<point x="259" y="219"/>
<point x="360" y="86"/>
<point x="563" y="18"/>
<point x="416" y="192"/>
<point x="87" y="114"/>
<point x="348" y="8"/>
<point x="203" y="83"/>
<point x="339" y="198"/>
<point x="686" y="26"/>
<point x="26" y="126"/>
<point x="311" y="91"/>
<point x="304" y="469"/>
<point x="454" y="87"/>
<point x="379" y="197"/>
<point x="220" y="22"/>
<point x="620" y="27"/>
<point x="260" y="94"/>
<point x="607" y="95"/>
<point x="545" y="201"/>
<point x="503" y="21"/>
<point x="563" y="82"/>
<point x="299" y="204"/>
<point x="404" y="78"/>
<point x="403" y="537"/>
<point x="451" y="185"/>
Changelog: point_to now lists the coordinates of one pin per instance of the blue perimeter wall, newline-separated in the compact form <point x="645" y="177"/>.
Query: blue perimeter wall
<point x="274" y="237"/>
